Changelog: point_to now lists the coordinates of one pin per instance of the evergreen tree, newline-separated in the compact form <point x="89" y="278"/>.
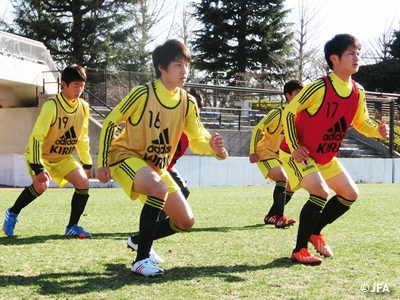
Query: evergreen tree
<point x="395" y="46"/>
<point x="242" y="36"/>
<point x="383" y="76"/>
<point x="75" y="31"/>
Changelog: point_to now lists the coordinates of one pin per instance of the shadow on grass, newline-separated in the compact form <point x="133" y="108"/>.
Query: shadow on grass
<point x="117" y="276"/>
<point x="227" y="229"/>
<point x="17" y="241"/>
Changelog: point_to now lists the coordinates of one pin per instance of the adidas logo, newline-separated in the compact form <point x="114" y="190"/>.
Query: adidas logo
<point x="156" y="152"/>
<point x="160" y="145"/>
<point x="337" y="132"/>
<point x="65" y="145"/>
<point x="69" y="138"/>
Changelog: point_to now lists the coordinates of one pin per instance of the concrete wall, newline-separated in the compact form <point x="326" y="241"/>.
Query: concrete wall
<point x="235" y="171"/>
<point x="17" y="124"/>
<point x="238" y="171"/>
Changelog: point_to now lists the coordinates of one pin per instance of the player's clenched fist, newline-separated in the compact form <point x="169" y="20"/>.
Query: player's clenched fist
<point x="217" y="144"/>
<point x="383" y="129"/>
<point x="103" y="174"/>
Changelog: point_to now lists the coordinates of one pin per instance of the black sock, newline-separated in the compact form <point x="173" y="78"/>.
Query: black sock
<point x="279" y="198"/>
<point x="78" y="204"/>
<point x="149" y="218"/>
<point x="309" y="216"/>
<point x="271" y="211"/>
<point x="165" y="228"/>
<point x="27" y="196"/>
<point x="288" y="196"/>
<point x="334" y="208"/>
<point x="163" y="215"/>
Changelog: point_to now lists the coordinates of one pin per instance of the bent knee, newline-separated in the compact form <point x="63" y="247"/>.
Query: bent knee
<point x="41" y="187"/>
<point x="352" y="196"/>
<point x="82" y="184"/>
<point x="185" y="224"/>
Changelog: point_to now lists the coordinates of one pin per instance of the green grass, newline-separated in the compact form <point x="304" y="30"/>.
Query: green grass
<point x="229" y="254"/>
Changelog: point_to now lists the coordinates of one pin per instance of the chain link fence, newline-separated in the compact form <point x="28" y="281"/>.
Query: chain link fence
<point x="110" y="87"/>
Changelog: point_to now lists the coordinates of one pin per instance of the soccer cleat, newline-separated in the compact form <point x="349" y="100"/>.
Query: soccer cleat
<point x="305" y="257"/>
<point x="319" y="242"/>
<point x="269" y="220"/>
<point x="77" y="231"/>
<point x="284" y="222"/>
<point x="9" y="223"/>
<point x="155" y="258"/>
<point x="147" y="268"/>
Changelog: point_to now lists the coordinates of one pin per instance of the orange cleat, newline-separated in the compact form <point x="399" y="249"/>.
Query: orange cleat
<point x="305" y="257"/>
<point x="319" y="242"/>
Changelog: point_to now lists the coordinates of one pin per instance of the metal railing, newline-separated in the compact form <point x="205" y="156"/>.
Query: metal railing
<point x="25" y="49"/>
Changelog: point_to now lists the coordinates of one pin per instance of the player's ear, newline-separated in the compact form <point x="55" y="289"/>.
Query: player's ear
<point x="161" y="69"/>
<point x="334" y="58"/>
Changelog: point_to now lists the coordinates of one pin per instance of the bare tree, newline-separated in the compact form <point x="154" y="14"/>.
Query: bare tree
<point x="377" y="49"/>
<point x="307" y="51"/>
<point x="5" y="15"/>
<point x="186" y="24"/>
<point x="146" y="16"/>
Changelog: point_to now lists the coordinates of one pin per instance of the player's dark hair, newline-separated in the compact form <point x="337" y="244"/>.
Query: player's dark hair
<point x="73" y="72"/>
<point x="292" y="85"/>
<point x="338" y="44"/>
<point x="199" y="98"/>
<point x="171" y="50"/>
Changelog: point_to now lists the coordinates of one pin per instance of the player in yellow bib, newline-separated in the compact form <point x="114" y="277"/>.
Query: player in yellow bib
<point x="264" y="151"/>
<point x="155" y="115"/>
<point x="61" y="128"/>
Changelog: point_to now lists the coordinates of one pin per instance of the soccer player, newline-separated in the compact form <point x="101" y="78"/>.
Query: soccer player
<point x="155" y="115"/>
<point x="264" y="151"/>
<point x="183" y="144"/>
<point x="181" y="149"/>
<point x="61" y="127"/>
<point x="315" y="123"/>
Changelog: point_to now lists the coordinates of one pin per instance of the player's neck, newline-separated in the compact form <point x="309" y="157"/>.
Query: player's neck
<point x="343" y="76"/>
<point x="169" y="85"/>
<point x="67" y="97"/>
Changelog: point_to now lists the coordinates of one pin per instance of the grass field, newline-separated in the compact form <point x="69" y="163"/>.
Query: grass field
<point x="229" y="253"/>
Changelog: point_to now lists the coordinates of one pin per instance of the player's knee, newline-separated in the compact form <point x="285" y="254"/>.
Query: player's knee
<point x="40" y="188"/>
<point x="186" y="224"/>
<point x="82" y="184"/>
<point x="353" y="196"/>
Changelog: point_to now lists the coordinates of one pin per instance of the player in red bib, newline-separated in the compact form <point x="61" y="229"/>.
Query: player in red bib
<point x="315" y="123"/>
